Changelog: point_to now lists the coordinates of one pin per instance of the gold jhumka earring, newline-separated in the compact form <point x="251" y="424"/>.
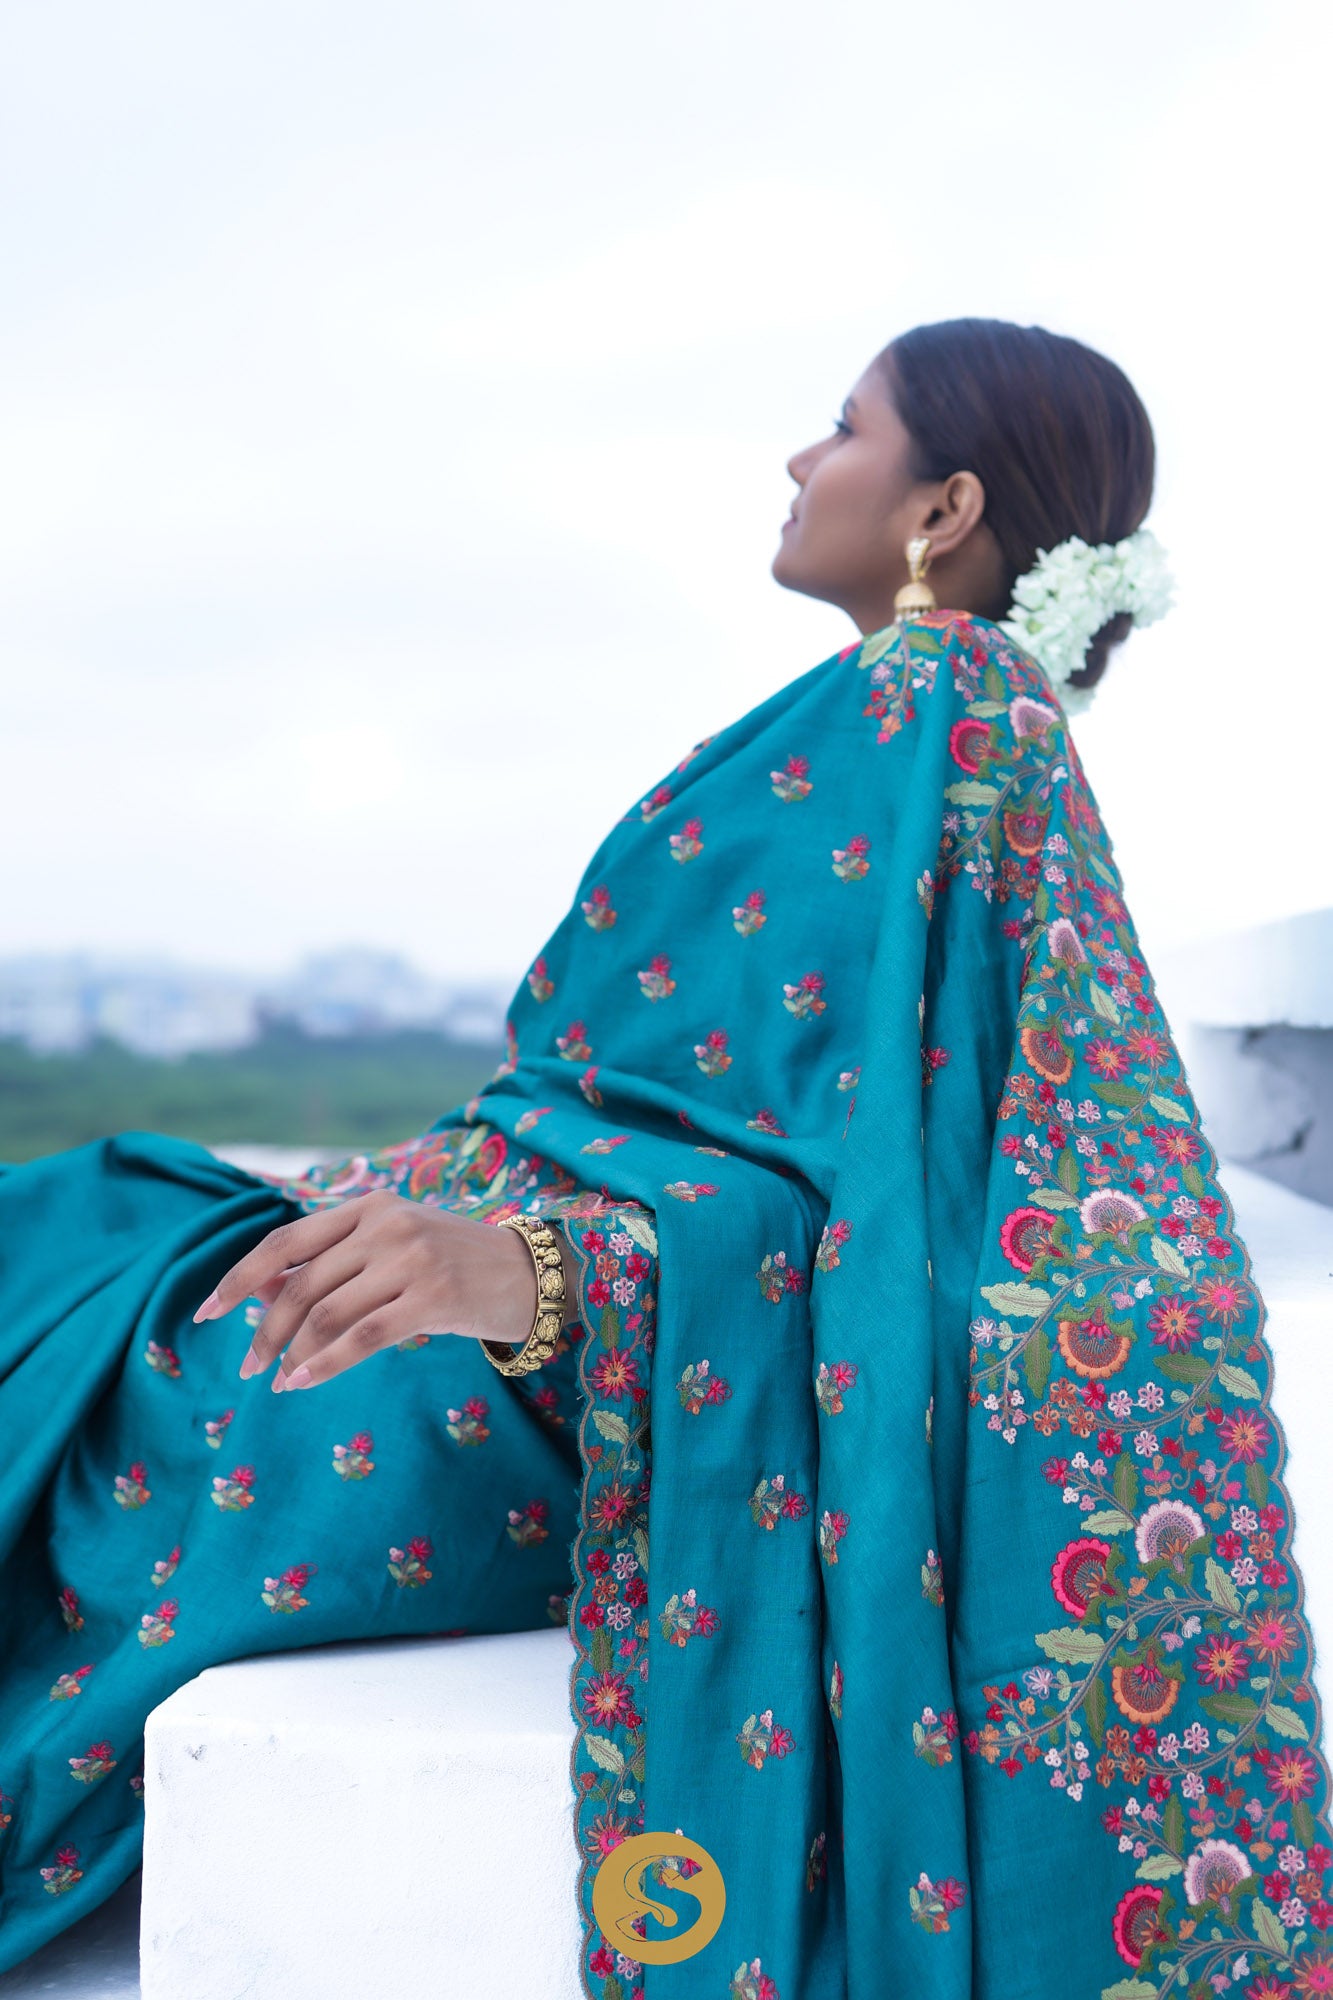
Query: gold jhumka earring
<point x="917" y="596"/>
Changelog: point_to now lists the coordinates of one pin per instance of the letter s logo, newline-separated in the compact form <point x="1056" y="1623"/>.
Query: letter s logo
<point x="619" y="1898"/>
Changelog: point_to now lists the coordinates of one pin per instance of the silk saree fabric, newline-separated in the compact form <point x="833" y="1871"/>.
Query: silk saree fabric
<point x="930" y="1563"/>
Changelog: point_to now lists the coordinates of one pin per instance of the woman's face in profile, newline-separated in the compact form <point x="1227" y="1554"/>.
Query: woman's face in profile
<point x="850" y="519"/>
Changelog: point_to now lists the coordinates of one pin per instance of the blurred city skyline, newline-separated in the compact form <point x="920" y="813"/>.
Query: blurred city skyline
<point x="397" y="407"/>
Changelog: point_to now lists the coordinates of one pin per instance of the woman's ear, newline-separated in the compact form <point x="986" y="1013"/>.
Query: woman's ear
<point x="956" y="506"/>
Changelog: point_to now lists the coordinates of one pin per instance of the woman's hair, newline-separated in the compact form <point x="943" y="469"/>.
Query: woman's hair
<point x="1053" y="430"/>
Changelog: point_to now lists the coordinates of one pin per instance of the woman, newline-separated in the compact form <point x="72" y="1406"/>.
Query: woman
<point x="959" y="1638"/>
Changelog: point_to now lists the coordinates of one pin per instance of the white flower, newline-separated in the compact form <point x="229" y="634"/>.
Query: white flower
<point x="1072" y="590"/>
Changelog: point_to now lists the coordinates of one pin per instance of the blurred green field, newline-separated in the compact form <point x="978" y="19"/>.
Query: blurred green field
<point x="285" y="1089"/>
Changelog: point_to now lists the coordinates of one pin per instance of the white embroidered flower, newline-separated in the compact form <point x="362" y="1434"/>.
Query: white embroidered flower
<point x="1072" y="590"/>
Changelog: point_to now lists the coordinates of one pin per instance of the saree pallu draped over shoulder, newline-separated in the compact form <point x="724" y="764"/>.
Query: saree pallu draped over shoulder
<point x="961" y="1627"/>
<point x="931" y="1571"/>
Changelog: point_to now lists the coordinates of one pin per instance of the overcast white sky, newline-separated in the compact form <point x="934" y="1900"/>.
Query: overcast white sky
<point x="395" y="402"/>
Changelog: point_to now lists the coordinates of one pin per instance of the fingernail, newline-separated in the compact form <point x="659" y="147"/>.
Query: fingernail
<point x="206" y="1308"/>
<point x="300" y="1380"/>
<point x="251" y="1364"/>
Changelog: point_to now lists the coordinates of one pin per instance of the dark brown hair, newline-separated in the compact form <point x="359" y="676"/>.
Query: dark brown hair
<point x="1053" y="430"/>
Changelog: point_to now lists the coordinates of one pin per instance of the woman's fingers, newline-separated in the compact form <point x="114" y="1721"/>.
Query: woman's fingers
<point x="379" y="1327"/>
<point x="291" y="1243"/>
<point x="352" y="1319"/>
<point x="301" y="1294"/>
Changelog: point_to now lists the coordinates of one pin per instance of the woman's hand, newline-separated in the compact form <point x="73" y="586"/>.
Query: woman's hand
<point x="344" y="1282"/>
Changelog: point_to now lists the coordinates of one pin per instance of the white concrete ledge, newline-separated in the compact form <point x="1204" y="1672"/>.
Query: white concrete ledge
<point x="389" y="1819"/>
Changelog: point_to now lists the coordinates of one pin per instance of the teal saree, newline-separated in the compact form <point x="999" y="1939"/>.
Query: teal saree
<point x="911" y="1488"/>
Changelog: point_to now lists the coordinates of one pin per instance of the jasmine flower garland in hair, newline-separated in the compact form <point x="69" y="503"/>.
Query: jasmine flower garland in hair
<point x="1072" y="590"/>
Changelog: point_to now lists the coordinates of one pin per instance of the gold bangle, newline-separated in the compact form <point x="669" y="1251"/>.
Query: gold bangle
<point x="545" y="1329"/>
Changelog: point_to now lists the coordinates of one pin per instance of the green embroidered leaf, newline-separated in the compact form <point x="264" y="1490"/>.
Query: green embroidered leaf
<point x="1266" y="1926"/>
<point x="1157" y="1867"/>
<point x="601" y="1650"/>
<point x="1169" y="1107"/>
<point x="1023" y="1301"/>
<point x="1219" y="1586"/>
<point x="1303" y="1821"/>
<point x="1113" y="1093"/>
<point x="1184" y="1367"/>
<point x="994" y="683"/>
<point x="874" y="650"/>
<point x="1066" y="1170"/>
<point x="609" y="1331"/>
<point x="1055" y="1197"/>
<point x="1173" y="1824"/>
<point x="1037" y="1362"/>
<point x="1094" y="1708"/>
<point x="1070" y="1644"/>
<point x="1125" y="1482"/>
<point x="1108" y="1521"/>
<point x="1103" y="1004"/>
<point x="1131" y="1989"/>
<point x="1192" y="1178"/>
<point x="1170" y="1259"/>
<point x="985" y="710"/>
<point x="612" y="1427"/>
<point x="1099" y="867"/>
<point x="1041" y="903"/>
<point x="605" y="1752"/>
<point x="639" y="1227"/>
<point x="968" y="792"/>
<point x="1229" y="1707"/>
<point x="635" y="1767"/>
<point x="1256" y="1483"/>
<point x="1239" y="1382"/>
<point x="640" y="1541"/>
<point x="1287" y="1723"/>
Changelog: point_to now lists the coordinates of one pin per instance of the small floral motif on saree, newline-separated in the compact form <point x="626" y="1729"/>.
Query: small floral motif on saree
<point x="698" y="1387"/>
<point x="233" y="1495"/>
<point x="933" y="1902"/>
<point x="157" y="1628"/>
<point x="933" y="1736"/>
<point x="773" y="1501"/>
<point x="850" y="863"/>
<point x="353" y="1460"/>
<point x="749" y="917"/>
<point x="804" y="999"/>
<point x="710" y="1055"/>
<point x="598" y="911"/>
<point x="686" y="844"/>
<point x="527" y="1525"/>
<point x="760" y="1737"/>
<point x="131" y="1488"/>
<point x="216" y="1429"/>
<point x="540" y="985"/>
<point x="832" y="1382"/>
<point x="683" y="1618"/>
<point x="162" y="1360"/>
<point x="832" y="1238"/>
<point x="792" y="781"/>
<point x="750" y="1982"/>
<point x="833" y="1525"/>
<point x="407" y="1566"/>
<point x="165" y="1568"/>
<point x="689" y="1190"/>
<point x="96" y="1761"/>
<point x="468" y="1425"/>
<point x="285" y="1593"/>
<point x="777" y="1279"/>
<point x="70" y="1615"/>
<point x="64" y="1873"/>
<point x="69" y="1685"/>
